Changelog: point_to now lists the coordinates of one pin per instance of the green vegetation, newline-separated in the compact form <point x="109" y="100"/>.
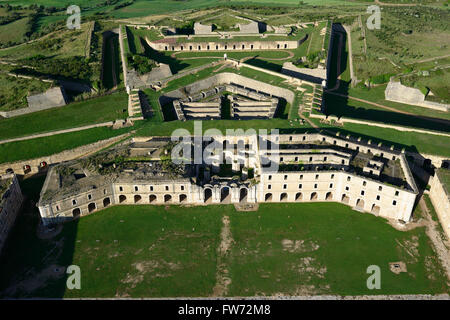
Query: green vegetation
<point x="46" y="146"/>
<point x="14" y="32"/>
<point x="61" y="44"/>
<point x="146" y="251"/>
<point x="350" y="108"/>
<point x="14" y="91"/>
<point x="102" y="109"/>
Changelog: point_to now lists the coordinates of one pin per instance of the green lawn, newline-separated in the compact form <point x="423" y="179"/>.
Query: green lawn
<point x="157" y="251"/>
<point x="350" y="108"/>
<point x="39" y="147"/>
<point x="102" y="109"/>
<point x="376" y="94"/>
<point x="14" y="31"/>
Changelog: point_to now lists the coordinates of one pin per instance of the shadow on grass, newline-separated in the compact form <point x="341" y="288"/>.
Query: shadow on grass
<point x="160" y="57"/>
<point x="28" y="262"/>
<point x="264" y="64"/>
<point x="339" y="106"/>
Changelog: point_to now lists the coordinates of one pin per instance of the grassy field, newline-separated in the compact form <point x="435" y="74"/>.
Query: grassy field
<point x="157" y="251"/>
<point x="60" y="44"/>
<point x="343" y="107"/>
<point x="46" y="146"/>
<point x="14" y="91"/>
<point x="14" y="31"/>
<point x="97" y="110"/>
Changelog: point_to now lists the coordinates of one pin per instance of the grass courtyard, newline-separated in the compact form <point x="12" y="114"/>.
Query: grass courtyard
<point x="157" y="251"/>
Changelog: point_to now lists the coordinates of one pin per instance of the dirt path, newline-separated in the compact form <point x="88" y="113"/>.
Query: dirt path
<point x="429" y="59"/>
<point x="446" y="122"/>
<point x="435" y="237"/>
<point x="395" y="4"/>
<point x="222" y="277"/>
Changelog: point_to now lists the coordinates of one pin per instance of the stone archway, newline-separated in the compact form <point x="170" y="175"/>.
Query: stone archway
<point x="183" y="198"/>
<point x="345" y="199"/>
<point x="299" y="196"/>
<point x="268" y="197"/>
<point x="243" y="193"/>
<point x="76" y="212"/>
<point x="122" y="198"/>
<point x="152" y="198"/>
<point x="106" y="202"/>
<point x="329" y="196"/>
<point x="91" y="207"/>
<point x="375" y="209"/>
<point x="225" y="196"/>
<point x="137" y="198"/>
<point x="313" y="196"/>
<point x="167" y="198"/>
<point x="208" y="195"/>
<point x="360" y="204"/>
<point x="284" y="197"/>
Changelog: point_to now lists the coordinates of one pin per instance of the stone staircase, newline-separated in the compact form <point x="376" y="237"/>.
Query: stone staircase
<point x="134" y="106"/>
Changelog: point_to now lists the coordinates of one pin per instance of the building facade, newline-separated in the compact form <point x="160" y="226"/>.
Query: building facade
<point x="309" y="167"/>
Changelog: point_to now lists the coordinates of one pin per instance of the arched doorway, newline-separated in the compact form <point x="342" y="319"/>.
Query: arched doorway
<point x="76" y="212"/>
<point x="208" y="195"/>
<point x="106" y="202"/>
<point x="122" y="198"/>
<point x="243" y="195"/>
<point x="91" y="207"/>
<point x="284" y="197"/>
<point x="152" y="198"/>
<point x="167" y="198"/>
<point x="360" y="204"/>
<point x="375" y="209"/>
<point x="225" y="195"/>
<point x="183" y="198"/>
<point x="268" y="197"/>
<point x="345" y="199"/>
<point x="329" y="196"/>
<point x="313" y="196"/>
<point x="299" y="196"/>
<point x="137" y="198"/>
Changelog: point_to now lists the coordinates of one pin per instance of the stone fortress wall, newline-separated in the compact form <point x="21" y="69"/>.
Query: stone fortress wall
<point x="363" y="193"/>
<point x="397" y="92"/>
<point x="53" y="97"/>
<point x="441" y="200"/>
<point x="10" y="204"/>
<point x="227" y="78"/>
<point x="173" y="45"/>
